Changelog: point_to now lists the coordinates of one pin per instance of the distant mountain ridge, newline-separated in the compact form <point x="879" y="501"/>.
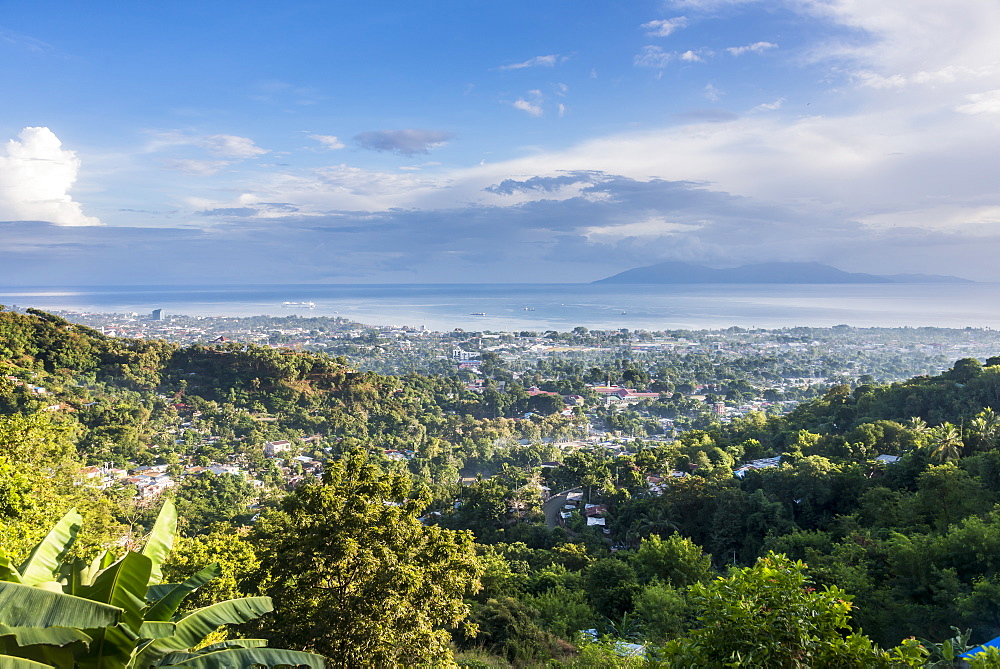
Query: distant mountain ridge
<point x="772" y="272"/>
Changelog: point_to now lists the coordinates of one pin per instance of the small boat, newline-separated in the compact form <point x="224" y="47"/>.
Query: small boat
<point x="528" y="309"/>
<point x="299" y="305"/>
<point x="478" y="313"/>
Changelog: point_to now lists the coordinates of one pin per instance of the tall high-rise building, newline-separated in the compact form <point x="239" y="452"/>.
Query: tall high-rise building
<point x="157" y="315"/>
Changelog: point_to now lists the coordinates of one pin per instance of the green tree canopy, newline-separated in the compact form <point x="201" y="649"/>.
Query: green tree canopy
<point x="357" y="577"/>
<point x="768" y="615"/>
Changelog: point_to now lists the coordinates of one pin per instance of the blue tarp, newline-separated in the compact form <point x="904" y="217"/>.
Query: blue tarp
<point x="992" y="643"/>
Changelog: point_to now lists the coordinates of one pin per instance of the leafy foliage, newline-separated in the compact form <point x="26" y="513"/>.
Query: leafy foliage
<point x="356" y="576"/>
<point x="768" y="615"/>
<point x="120" y="615"/>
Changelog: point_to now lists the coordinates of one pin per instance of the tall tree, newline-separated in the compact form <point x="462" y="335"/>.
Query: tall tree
<point x="357" y="577"/>
<point x="946" y="443"/>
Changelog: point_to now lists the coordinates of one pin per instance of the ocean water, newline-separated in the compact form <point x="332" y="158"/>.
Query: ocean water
<point x="553" y="306"/>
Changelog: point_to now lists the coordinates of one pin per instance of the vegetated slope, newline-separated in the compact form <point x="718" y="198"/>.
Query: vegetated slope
<point x="914" y="543"/>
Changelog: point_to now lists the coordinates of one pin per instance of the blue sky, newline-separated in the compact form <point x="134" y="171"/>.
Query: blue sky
<point x="478" y="141"/>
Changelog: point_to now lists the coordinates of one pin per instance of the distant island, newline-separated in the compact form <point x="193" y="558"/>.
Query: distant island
<point x="772" y="272"/>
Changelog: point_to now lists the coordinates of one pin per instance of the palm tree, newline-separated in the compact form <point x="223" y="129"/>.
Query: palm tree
<point x="986" y="428"/>
<point x="657" y="521"/>
<point x="946" y="443"/>
<point x="918" y="425"/>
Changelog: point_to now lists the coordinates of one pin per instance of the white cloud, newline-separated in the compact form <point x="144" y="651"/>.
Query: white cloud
<point x="770" y="106"/>
<point x="913" y="42"/>
<point x="664" y="27"/>
<point x="203" y="168"/>
<point x="36" y="175"/>
<point x="331" y="142"/>
<point x="562" y="110"/>
<point x="944" y="76"/>
<point x="652" y="56"/>
<point x="756" y="47"/>
<point x="231" y="146"/>
<point x="336" y="188"/>
<point x="537" y="61"/>
<point x="981" y="103"/>
<point x="691" y="57"/>
<point x="533" y="105"/>
<point x="653" y="226"/>
<point x="713" y="93"/>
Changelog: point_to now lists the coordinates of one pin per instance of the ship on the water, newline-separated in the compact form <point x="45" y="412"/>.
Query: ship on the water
<point x="299" y="305"/>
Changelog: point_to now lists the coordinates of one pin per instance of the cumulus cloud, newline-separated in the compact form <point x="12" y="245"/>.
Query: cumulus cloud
<point x="406" y="142"/>
<point x="756" y="47"/>
<point x="537" y="61"/>
<point x="652" y="56"/>
<point x="664" y="27"/>
<point x="690" y="56"/>
<point x="36" y="175"/>
<point x="331" y="142"/>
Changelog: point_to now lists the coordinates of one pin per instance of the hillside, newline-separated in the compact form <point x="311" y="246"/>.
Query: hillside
<point x="773" y="272"/>
<point x="293" y="471"/>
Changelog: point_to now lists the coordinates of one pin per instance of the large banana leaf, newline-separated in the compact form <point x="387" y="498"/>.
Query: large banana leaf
<point x="247" y="657"/>
<point x="79" y="574"/>
<point x="159" y="591"/>
<point x="8" y="662"/>
<point x="44" y="560"/>
<point x="112" y="648"/>
<point x="123" y="584"/>
<point x="52" y="636"/>
<point x="177" y="657"/>
<point x="153" y="629"/>
<point x="8" y="572"/>
<point x="235" y="643"/>
<point x="161" y="539"/>
<point x="53" y="646"/>
<point x="199" y="624"/>
<point x="165" y="608"/>
<point x="24" y="606"/>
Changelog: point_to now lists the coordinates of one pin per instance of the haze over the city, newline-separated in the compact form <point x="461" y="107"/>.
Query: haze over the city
<point x="494" y="142"/>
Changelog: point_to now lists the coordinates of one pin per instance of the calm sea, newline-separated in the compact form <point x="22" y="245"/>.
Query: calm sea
<point x="553" y="306"/>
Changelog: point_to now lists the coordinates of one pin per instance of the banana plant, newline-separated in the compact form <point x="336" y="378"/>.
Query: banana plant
<point x="117" y="614"/>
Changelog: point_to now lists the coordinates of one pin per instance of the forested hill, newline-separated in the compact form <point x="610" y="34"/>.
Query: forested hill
<point x="337" y="495"/>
